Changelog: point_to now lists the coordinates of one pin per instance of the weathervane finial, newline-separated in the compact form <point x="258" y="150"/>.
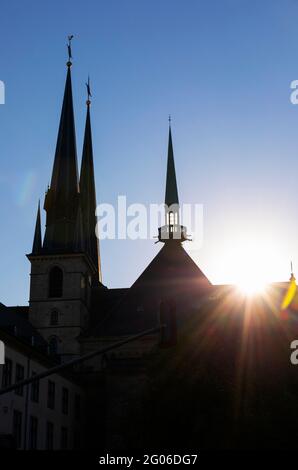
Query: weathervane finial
<point x="170" y="120"/>
<point x="69" y="63"/>
<point x="88" y="102"/>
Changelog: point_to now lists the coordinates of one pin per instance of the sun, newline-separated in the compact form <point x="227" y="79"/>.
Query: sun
<point x="251" y="287"/>
<point x="251" y="263"/>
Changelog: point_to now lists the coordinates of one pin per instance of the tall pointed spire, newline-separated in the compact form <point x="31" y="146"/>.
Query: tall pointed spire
<point x="88" y="193"/>
<point x="172" y="230"/>
<point x="61" y="202"/>
<point x="65" y="169"/>
<point x="171" y="196"/>
<point x="37" y="245"/>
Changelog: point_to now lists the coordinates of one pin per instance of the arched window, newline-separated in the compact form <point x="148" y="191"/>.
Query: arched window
<point x="54" y="317"/>
<point x="171" y="218"/>
<point x="55" y="282"/>
<point x="53" y="346"/>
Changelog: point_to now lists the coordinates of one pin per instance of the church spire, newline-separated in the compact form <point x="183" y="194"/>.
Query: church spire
<point x="172" y="230"/>
<point x="65" y="172"/>
<point x="36" y="248"/>
<point x="88" y="193"/>
<point x="61" y="200"/>
<point x="171" y="196"/>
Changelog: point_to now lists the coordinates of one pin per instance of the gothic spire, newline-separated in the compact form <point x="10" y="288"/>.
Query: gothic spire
<point x="172" y="230"/>
<point x="65" y="171"/>
<point x="36" y="248"/>
<point x="171" y="196"/>
<point x="61" y="200"/>
<point x="88" y="193"/>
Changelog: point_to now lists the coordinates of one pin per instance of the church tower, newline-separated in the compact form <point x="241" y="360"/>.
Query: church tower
<point x="66" y="265"/>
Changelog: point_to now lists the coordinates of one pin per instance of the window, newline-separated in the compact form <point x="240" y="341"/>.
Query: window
<point x="64" y="401"/>
<point x="17" y="428"/>
<point x="7" y="373"/>
<point x="51" y="394"/>
<point x="53" y="346"/>
<point x="20" y="374"/>
<point x="56" y="282"/>
<point x="33" y="432"/>
<point x="54" y="318"/>
<point x="35" y="390"/>
<point x="77" y="409"/>
<point x="50" y="436"/>
<point x="171" y="218"/>
<point x="64" y="438"/>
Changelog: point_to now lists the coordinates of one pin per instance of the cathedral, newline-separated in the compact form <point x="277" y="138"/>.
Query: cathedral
<point x="71" y="312"/>
<point x="219" y="386"/>
<point x="68" y="302"/>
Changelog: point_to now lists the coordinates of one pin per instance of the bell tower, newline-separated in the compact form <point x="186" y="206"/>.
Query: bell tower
<point x="172" y="231"/>
<point x="65" y="266"/>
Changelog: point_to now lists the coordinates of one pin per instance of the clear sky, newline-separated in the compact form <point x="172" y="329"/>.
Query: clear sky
<point x="221" y="68"/>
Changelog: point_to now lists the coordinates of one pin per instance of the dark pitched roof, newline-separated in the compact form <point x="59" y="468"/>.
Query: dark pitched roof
<point x="103" y="300"/>
<point x="172" y="274"/>
<point x="14" y="320"/>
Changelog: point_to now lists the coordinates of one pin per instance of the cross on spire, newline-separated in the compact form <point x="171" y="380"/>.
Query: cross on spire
<point x="89" y="95"/>
<point x="69" y="63"/>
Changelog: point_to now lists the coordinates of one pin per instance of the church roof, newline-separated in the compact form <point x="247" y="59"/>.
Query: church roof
<point x="172" y="275"/>
<point x="14" y="320"/>
<point x="104" y="300"/>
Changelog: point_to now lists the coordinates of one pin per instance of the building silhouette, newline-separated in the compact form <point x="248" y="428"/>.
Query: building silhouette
<point x="107" y="400"/>
<point x="70" y="311"/>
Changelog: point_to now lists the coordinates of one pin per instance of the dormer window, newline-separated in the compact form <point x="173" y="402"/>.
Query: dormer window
<point x="56" y="282"/>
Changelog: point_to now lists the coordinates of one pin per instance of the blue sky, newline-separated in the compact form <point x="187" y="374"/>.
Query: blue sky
<point x="221" y="68"/>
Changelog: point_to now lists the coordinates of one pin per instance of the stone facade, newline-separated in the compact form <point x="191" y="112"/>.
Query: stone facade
<point x="72" y="308"/>
<point x="20" y="411"/>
